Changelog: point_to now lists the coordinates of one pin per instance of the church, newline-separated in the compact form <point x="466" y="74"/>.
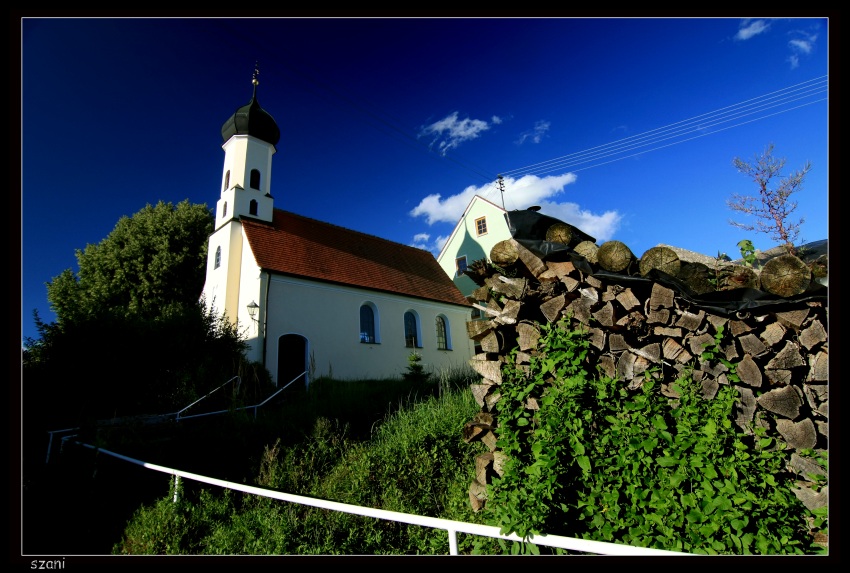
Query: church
<point x="314" y="299"/>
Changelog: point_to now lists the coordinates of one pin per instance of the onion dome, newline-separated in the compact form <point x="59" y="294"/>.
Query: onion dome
<point x="252" y="120"/>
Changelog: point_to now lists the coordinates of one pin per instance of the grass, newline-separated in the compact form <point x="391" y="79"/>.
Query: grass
<point x="389" y="444"/>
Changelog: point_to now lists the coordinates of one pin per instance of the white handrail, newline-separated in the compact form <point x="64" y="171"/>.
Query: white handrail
<point x="451" y="526"/>
<point x="209" y="394"/>
<point x="178" y="417"/>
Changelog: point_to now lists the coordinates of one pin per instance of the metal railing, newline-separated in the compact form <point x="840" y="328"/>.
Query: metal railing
<point x="450" y="526"/>
<point x="176" y="416"/>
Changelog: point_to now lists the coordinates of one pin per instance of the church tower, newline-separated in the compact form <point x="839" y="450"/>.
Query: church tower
<point x="249" y="138"/>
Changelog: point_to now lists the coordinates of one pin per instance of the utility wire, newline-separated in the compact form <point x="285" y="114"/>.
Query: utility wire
<point x="618" y="150"/>
<point x="699" y="123"/>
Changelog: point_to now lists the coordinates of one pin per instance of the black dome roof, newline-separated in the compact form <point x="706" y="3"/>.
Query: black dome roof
<point x="253" y="120"/>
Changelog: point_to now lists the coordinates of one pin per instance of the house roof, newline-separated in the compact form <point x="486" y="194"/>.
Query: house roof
<point x="302" y="247"/>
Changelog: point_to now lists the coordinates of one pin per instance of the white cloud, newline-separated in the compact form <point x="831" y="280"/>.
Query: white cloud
<point x="421" y="241"/>
<point x="450" y="132"/>
<point x="600" y="227"/>
<point x="794" y="60"/>
<point x="804" y="46"/>
<point x="520" y="194"/>
<point x="536" y="134"/>
<point x="750" y="28"/>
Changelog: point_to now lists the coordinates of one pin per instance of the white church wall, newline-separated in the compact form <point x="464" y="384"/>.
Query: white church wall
<point x="328" y="316"/>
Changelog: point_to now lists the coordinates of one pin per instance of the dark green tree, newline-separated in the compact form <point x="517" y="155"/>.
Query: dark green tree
<point x="132" y="335"/>
<point x="151" y="260"/>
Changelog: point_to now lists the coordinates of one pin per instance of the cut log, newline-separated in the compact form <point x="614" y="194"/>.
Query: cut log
<point x="661" y="297"/>
<point x="531" y="261"/>
<point x="749" y="372"/>
<point x="813" y="335"/>
<point x="784" y="401"/>
<point x="663" y="259"/>
<point x="792" y="319"/>
<point x="732" y="277"/>
<point x="504" y="253"/>
<point x="605" y="315"/>
<point x="698" y="277"/>
<point x="561" y="268"/>
<point x="552" y="308"/>
<point x="690" y="321"/>
<point x="560" y="233"/>
<point x="489" y="369"/>
<point x="528" y="334"/>
<point x="785" y="276"/>
<point x="478" y="329"/>
<point x="628" y="299"/>
<point x="483" y="466"/>
<point x="773" y="334"/>
<point x="615" y="256"/>
<point x="588" y="250"/>
<point x="788" y="357"/>
<point x="799" y="435"/>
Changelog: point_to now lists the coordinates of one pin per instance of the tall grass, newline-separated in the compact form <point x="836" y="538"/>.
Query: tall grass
<point x="380" y="444"/>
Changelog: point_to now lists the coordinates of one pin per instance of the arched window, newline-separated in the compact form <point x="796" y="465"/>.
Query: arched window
<point x="411" y="330"/>
<point x="227" y="180"/>
<point x="252" y="208"/>
<point x="255" y="179"/>
<point x="443" y="342"/>
<point x="217" y="257"/>
<point x="224" y="209"/>
<point x="368" y="322"/>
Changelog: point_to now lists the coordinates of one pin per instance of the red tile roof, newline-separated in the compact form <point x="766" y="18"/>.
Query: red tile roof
<point x="303" y="247"/>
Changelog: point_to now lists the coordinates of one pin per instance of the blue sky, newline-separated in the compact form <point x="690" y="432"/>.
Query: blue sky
<point x="623" y="127"/>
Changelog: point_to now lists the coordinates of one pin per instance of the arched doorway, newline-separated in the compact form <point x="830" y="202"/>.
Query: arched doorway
<point x="292" y="361"/>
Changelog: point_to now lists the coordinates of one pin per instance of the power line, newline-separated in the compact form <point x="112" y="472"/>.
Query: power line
<point x="699" y="123"/>
<point x="702" y="125"/>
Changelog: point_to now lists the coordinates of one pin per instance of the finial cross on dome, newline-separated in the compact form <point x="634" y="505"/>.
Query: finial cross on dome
<point x="254" y="79"/>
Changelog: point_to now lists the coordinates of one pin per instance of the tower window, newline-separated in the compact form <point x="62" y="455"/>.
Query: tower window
<point x="255" y="179"/>
<point x="227" y="180"/>
<point x="252" y="207"/>
<point x="224" y="210"/>
<point x="217" y="257"/>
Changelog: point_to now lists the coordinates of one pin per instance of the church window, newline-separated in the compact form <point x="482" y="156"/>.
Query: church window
<point x="252" y="207"/>
<point x="255" y="179"/>
<point x="367" y="324"/>
<point x="217" y="257"/>
<point x="442" y="334"/>
<point x="411" y="330"/>
<point x="227" y="180"/>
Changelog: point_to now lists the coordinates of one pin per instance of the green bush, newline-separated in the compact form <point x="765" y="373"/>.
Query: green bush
<point x="602" y="462"/>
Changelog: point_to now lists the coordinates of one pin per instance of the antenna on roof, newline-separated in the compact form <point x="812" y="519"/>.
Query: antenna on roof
<point x="502" y="190"/>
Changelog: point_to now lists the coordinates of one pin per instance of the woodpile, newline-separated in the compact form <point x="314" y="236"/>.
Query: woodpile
<point x="638" y="324"/>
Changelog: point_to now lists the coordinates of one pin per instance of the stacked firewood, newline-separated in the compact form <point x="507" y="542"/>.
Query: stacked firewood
<point x="780" y="350"/>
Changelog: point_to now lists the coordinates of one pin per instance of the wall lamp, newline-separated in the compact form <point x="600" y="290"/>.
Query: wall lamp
<point x="253" y="307"/>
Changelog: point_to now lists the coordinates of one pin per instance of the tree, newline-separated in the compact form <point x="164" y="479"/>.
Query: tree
<point x="132" y="334"/>
<point x="152" y="260"/>
<point x="773" y="206"/>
